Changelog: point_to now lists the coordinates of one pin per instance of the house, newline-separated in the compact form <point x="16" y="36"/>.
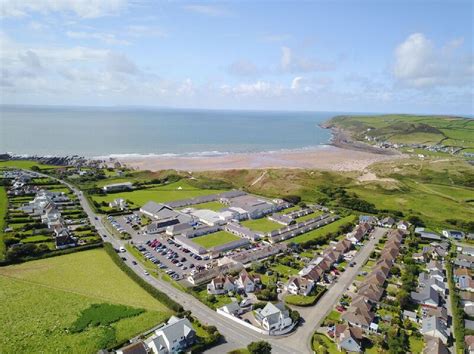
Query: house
<point x="434" y="345"/>
<point x="470" y="344"/>
<point x="434" y="265"/>
<point x="368" y="219"/>
<point x="466" y="283"/>
<point x="428" y="297"/>
<point x="387" y="222"/>
<point x="464" y="261"/>
<point x="427" y="235"/>
<point x="437" y="274"/>
<point x="460" y="273"/>
<point x="273" y="317"/>
<point x="119" y="203"/>
<point x="247" y="282"/>
<point x="440" y="312"/>
<point x="348" y="338"/>
<point x="371" y="291"/>
<point x="359" y="313"/>
<point x="174" y="337"/>
<point x="299" y="286"/>
<point x="117" y="187"/>
<point x="221" y="285"/>
<point x="457" y="235"/>
<point x="434" y="327"/>
<point x="468" y="250"/>
<point x="403" y="225"/>
<point x="63" y="238"/>
<point x="134" y="348"/>
<point x="232" y="309"/>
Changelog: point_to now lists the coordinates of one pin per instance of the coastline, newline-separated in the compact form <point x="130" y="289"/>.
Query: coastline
<point x="327" y="157"/>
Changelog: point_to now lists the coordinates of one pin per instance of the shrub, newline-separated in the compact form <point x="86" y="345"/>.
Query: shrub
<point x="260" y="347"/>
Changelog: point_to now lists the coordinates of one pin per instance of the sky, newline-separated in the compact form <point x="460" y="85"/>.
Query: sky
<point x="354" y="56"/>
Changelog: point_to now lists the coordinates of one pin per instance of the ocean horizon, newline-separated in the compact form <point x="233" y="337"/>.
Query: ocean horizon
<point x="144" y="131"/>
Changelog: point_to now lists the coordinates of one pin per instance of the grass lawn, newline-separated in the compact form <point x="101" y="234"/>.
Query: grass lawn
<point x="215" y="239"/>
<point x="3" y="212"/>
<point x="262" y="225"/>
<point x="333" y="227"/>
<point x="221" y="300"/>
<point x="40" y="299"/>
<point x="416" y="344"/>
<point x="300" y="300"/>
<point x="285" y="270"/>
<point x="309" y="216"/>
<point x="159" y="194"/>
<point x="322" y="340"/>
<point x="216" y="206"/>
<point x="334" y="316"/>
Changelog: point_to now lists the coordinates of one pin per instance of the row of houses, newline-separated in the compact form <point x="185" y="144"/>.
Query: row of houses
<point x="361" y="313"/>
<point x="223" y="284"/>
<point x="294" y="230"/>
<point x="224" y="266"/>
<point x="257" y="253"/>
<point x="46" y="205"/>
<point x="290" y="218"/>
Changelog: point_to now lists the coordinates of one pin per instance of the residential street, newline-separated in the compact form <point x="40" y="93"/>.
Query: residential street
<point x="237" y="336"/>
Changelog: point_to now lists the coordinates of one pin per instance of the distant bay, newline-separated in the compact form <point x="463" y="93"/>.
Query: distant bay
<point x="96" y="131"/>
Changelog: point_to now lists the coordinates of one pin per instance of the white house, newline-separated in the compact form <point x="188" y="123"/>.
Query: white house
<point x="434" y="327"/>
<point x="174" y="337"/>
<point x="221" y="285"/>
<point x="273" y="317"/>
<point x="247" y="282"/>
<point x="299" y="286"/>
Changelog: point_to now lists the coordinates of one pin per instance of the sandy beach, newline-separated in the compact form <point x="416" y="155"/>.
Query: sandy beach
<point x="323" y="158"/>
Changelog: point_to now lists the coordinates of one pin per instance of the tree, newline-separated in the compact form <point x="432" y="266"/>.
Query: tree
<point x="260" y="347"/>
<point x="295" y="316"/>
<point x="415" y="220"/>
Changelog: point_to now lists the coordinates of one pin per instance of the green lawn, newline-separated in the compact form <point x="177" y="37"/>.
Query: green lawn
<point x="334" y="316"/>
<point x="285" y="270"/>
<point x="333" y="227"/>
<point x="262" y="225"/>
<point x="40" y="299"/>
<point x="309" y="216"/>
<point x="159" y="194"/>
<point x="3" y="213"/>
<point x="321" y="340"/>
<point x="216" y="206"/>
<point x="416" y="344"/>
<point x="215" y="239"/>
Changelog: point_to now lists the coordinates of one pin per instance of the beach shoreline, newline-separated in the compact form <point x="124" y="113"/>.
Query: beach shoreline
<point x="327" y="157"/>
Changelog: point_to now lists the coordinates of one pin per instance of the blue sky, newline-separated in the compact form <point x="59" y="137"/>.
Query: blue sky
<point x="367" y="56"/>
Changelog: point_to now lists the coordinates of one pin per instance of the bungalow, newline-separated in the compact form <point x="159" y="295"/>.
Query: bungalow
<point x="457" y="235"/>
<point x="371" y="291"/>
<point x="134" y="348"/>
<point x="427" y="297"/>
<point x="247" y="282"/>
<point x="440" y="312"/>
<point x="403" y="225"/>
<point x="273" y="317"/>
<point x="434" y="327"/>
<point x="434" y="265"/>
<point x="177" y="335"/>
<point x="468" y="250"/>
<point x="470" y="344"/>
<point x="466" y="283"/>
<point x="348" y="338"/>
<point x="460" y="272"/>
<point x="232" y="309"/>
<point x="387" y="222"/>
<point x="368" y="219"/>
<point x="434" y="345"/>
<point x="464" y="261"/>
<point x="221" y="285"/>
<point x="359" y="313"/>
<point x="117" y="187"/>
<point x="300" y="286"/>
<point x="426" y="235"/>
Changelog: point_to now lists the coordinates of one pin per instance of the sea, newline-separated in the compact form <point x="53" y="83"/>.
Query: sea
<point x="121" y="132"/>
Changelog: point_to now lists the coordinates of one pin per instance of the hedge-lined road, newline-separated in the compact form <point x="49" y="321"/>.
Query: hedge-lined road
<point x="236" y="335"/>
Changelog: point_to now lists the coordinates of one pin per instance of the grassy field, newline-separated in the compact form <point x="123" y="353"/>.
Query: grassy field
<point x="262" y="225"/>
<point x="159" y="194"/>
<point x="215" y="239"/>
<point x="40" y="299"/>
<point x="3" y="213"/>
<point x="450" y="131"/>
<point x="26" y="164"/>
<point x="333" y="227"/>
<point x="285" y="270"/>
<point x="321" y="340"/>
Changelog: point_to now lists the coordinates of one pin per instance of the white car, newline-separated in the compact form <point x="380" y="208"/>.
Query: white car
<point x="146" y="272"/>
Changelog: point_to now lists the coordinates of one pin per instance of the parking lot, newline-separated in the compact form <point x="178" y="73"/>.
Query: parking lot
<point x="172" y="258"/>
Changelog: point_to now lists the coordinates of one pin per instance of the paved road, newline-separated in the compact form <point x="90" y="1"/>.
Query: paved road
<point x="238" y="336"/>
<point x="315" y="315"/>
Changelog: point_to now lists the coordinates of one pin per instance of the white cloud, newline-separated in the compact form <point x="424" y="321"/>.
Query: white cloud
<point x="259" y="88"/>
<point x="208" y="10"/>
<point x="296" y="83"/>
<point x="420" y="64"/>
<point x="295" y="64"/>
<point x="118" y="62"/>
<point x="107" y="38"/>
<point x="81" y="8"/>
